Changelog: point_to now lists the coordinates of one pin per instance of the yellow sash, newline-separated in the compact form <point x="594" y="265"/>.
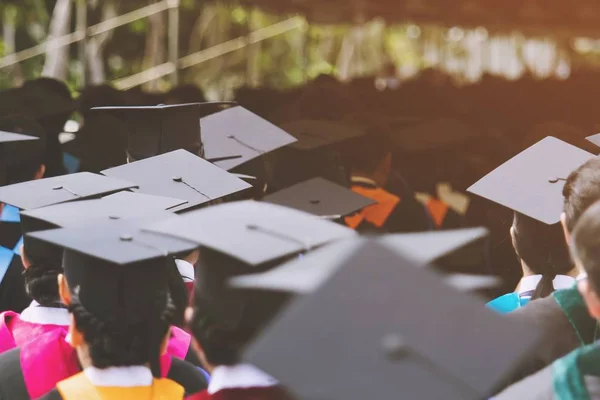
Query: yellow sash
<point x="79" y="387"/>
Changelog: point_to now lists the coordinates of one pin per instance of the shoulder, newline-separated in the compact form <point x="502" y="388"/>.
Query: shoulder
<point x="538" y="386"/>
<point x="52" y="395"/>
<point x="12" y="382"/>
<point x="188" y="376"/>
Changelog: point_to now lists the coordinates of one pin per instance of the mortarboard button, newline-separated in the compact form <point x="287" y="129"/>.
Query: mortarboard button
<point x="393" y="346"/>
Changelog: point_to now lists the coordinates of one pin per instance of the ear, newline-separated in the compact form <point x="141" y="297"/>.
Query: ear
<point x="40" y="172"/>
<point x="563" y="222"/>
<point x="512" y="236"/>
<point x="165" y="342"/>
<point x="63" y="290"/>
<point x="590" y="297"/>
<point x="24" y="260"/>
<point x="76" y="336"/>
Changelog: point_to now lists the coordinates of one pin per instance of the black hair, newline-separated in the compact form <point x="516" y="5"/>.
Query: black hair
<point x="41" y="281"/>
<point x="178" y="292"/>
<point x="581" y="190"/>
<point x="114" y="344"/>
<point x="543" y="248"/>
<point x="26" y="158"/>
<point x="585" y="244"/>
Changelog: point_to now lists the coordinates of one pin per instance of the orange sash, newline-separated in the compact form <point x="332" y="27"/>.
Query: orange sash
<point x="376" y="214"/>
<point x="79" y="387"/>
<point x="438" y="211"/>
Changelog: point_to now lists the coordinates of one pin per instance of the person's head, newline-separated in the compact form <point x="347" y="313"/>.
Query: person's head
<point x="542" y="249"/>
<point x="112" y="329"/>
<point x="41" y="270"/>
<point x="581" y="190"/>
<point x="224" y="320"/>
<point x="185" y="94"/>
<point x="585" y="250"/>
<point x="370" y="156"/>
<point x="25" y="161"/>
<point x="52" y="121"/>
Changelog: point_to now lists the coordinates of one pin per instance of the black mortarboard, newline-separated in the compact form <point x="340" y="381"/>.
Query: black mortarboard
<point x="12" y="144"/>
<point x="595" y="139"/>
<point x="432" y="134"/>
<point x="253" y="232"/>
<point x="531" y="182"/>
<point x="153" y="130"/>
<point x="306" y="273"/>
<point x="180" y="175"/>
<point x="314" y="134"/>
<point x="118" y="271"/>
<point x="412" y="335"/>
<point x="60" y="189"/>
<point x="235" y="136"/>
<point x="321" y="197"/>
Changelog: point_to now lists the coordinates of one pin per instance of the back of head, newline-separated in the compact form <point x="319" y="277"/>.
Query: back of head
<point x="99" y="96"/>
<point x="55" y="121"/>
<point x="543" y="249"/>
<point x="23" y="164"/>
<point x="185" y="94"/>
<point x="581" y="190"/>
<point x="585" y="244"/>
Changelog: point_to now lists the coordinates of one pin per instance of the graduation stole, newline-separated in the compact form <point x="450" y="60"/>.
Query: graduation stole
<point x="569" y="372"/>
<point x="572" y="304"/>
<point x="79" y="387"/>
<point x="376" y="214"/>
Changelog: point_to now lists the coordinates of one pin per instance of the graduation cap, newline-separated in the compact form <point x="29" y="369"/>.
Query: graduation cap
<point x="119" y="272"/>
<point x="180" y="175"/>
<point x="314" y="134"/>
<point x="321" y="197"/>
<point x="253" y="232"/>
<point x="531" y="182"/>
<point x="595" y="139"/>
<point x="118" y="206"/>
<point x="432" y="134"/>
<point x="306" y="273"/>
<point x="235" y="136"/>
<point x="413" y="335"/>
<point x="60" y="189"/>
<point x="22" y="141"/>
<point x="154" y="130"/>
<point x="14" y="146"/>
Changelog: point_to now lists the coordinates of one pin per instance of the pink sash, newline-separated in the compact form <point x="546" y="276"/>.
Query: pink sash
<point x="179" y="343"/>
<point x="46" y="361"/>
<point x="7" y="340"/>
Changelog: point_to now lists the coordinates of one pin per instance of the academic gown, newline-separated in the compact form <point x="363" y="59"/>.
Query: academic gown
<point x="34" y="321"/>
<point x="511" y="301"/>
<point x="35" y="368"/>
<point x="565" y="324"/>
<point x="241" y="382"/>
<point x="573" y="377"/>
<point x="117" y="383"/>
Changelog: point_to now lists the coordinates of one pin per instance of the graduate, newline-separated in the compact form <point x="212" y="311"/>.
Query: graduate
<point x="21" y="159"/>
<point x="563" y="316"/>
<point x="577" y="375"/>
<point x="334" y="344"/>
<point x="522" y="184"/>
<point x="370" y="164"/>
<point x="239" y="238"/>
<point x="104" y="271"/>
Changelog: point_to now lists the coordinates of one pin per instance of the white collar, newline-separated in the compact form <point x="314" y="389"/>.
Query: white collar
<point x="581" y="276"/>
<point x="36" y="314"/>
<point x="186" y="270"/>
<point x="239" y="376"/>
<point x="529" y="283"/>
<point x="119" y="376"/>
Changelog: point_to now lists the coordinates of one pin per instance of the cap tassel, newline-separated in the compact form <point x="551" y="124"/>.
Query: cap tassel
<point x="233" y="137"/>
<point x="306" y="246"/>
<point x="179" y="179"/>
<point x="64" y="188"/>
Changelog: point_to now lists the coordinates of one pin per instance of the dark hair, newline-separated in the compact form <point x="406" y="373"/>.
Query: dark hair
<point x="585" y="244"/>
<point x="112" y="344"/>
<point x="542" y="247"/>
<point x="41" y="281"/>
<point x="581" y="190"/>
<point x="364" y="154"/>
<point x="178" y="292"/>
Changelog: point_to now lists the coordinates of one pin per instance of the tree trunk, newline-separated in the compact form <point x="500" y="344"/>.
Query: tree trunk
<point x="9" y="33"/>
<point x="96" y="45"/>
<point x="155" y="45"/>
<point x="57" y="58"/>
